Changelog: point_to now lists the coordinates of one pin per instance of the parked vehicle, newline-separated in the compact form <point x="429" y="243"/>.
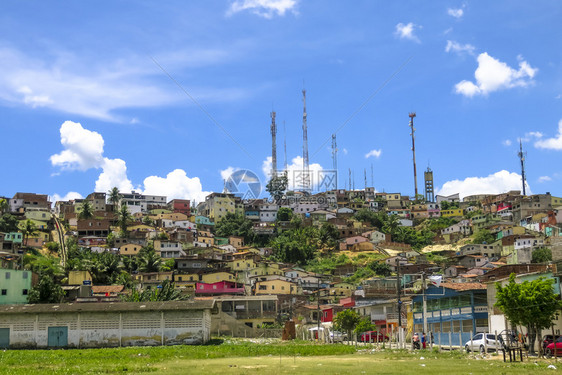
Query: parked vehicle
<point x="484" y="341"/>
<point x="549" y="351"/>
<point x="336" y="336"/>
<point x="373" y="336"/>
<point x="548" y="339"/>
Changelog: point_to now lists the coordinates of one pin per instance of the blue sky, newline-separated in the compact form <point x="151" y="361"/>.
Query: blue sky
<point x="96" y="94"/>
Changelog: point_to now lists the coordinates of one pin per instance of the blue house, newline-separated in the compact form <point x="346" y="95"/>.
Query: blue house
<point x="455" y="312"/>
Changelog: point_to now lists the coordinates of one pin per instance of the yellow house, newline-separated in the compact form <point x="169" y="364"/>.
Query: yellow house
<point x="455" y="212"/>
<point x="175" y="216"/>
<point x="267" y="269"/>
<point x="215" y="277"/>
<point x="555" y="201"/>
<point x="129" y="249"/>
<point x="242" y="264"/>
<point x="139" y="228"/>
<point x="277" y="286"/>
<point x="78" y="277"/>
<point x="342" y="290"/>
<point x="187" y="277"/>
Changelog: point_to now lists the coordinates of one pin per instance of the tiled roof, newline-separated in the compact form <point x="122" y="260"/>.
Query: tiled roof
<point x="463" y="286"/>
<point x="107" y="289"/>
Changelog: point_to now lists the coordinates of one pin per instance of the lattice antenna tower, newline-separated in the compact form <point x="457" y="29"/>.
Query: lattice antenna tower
<point x="273" y="145"/>
<point x="522" y="155"/>
<point x="412" y="115"/>
<point x="305" y="142"/>
<point x="365" y="175"/>
<point x="335" y="157"/>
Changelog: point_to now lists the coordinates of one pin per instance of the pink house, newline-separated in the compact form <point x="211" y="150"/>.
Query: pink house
<point x="221" y="287"/>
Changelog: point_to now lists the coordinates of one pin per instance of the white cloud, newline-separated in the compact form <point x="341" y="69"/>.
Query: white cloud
<point x="294" y="170"/>
<point x="534" y="134"/>
<point x="492" y="75"/>
<point x="83" y="149"/>
<point x="374" y="153"/>
<point x="225" y="173"/>
<point x="457" y="13"/>
<point x="71" y="195"/>
<point x="263" y="8"/>
<point x="344" y="150"/>
<point x="554" y="143"/>
<point x="496" y="183"/>
<point x="406" y="31"/>
<point x="99" y="88"/>
<point x="114" y="174"/>
<point x="544" y="179"/>
<point x="507" y="142"/>
<point x="456" y="47"/>
<point x="176" y="185"/>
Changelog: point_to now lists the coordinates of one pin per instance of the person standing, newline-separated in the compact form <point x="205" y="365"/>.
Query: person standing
<point x="423" y="340"/>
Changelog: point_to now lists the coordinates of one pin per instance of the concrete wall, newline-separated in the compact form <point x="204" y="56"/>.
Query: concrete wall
<point x="110" y="329"/>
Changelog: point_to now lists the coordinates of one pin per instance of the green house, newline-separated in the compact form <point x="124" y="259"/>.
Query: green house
<point x="14" y="286"/>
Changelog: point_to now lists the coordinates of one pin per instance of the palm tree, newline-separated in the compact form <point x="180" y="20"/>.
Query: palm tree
<point x="114" y="197"/>
<point x="149" y="261"/>
<point x="28" y="229"/>
<point x="86" y="211"/>
<point x="124" y="216"/>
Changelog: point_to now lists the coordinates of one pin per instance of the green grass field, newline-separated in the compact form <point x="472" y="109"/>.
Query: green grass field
<point x="269" y="357"/>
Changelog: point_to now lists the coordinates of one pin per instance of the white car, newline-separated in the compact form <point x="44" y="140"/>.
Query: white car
<point x="482" y="341"/>
<point x="336" y="336"/>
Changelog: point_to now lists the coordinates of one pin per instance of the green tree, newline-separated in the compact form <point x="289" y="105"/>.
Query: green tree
<point x="86" y="211"/>
<point x="4" y="206"/>
<point x="8" y="223"/>
<point x="277" y="186"/>
<point x="123" y="218"/>
<point x="328" y="236"/>
<point x="52" y="247"/>
<point x="532" y="304"/>
<point x="284" y="214"/>
<point x="542" y="255"/>
<point x="149" y="260"/>
<point x="380" y="268"/>
<point x="296" y="245"/>
<point x="46" y="291"/>
<point x="483" y="236"/>
<point x="364" y="325"/>
<point x="165" y="292"/>
<point x="375" y="219"/>
<point x="235" y="225"/>
<point x="114" y="197"/>
<point x="28" y="228"/>
<point x="110" y="239"/>
<point x="346" y="321"/>
<point x="146" y="220"/>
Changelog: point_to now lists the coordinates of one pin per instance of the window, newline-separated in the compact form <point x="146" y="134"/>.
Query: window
<point x="4" y="292"/>
<point x="263" y="287"/>
<point x="24" y="292"/>
<point x="7" y="275"/>
<point x="25" y="275"/>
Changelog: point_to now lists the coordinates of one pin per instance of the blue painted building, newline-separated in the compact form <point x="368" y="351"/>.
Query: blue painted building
<point x="455" y="311"/>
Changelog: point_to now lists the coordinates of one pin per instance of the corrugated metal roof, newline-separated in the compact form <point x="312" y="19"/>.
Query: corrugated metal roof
<point x="106" y="307"/>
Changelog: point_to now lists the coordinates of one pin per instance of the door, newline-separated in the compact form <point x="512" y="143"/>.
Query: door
<point x="4" y="337"/>
<point x="58" y="337"/>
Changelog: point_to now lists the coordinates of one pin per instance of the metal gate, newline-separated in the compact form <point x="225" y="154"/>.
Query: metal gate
<point x="4" y="337"/>
<point x="58" y="337"/>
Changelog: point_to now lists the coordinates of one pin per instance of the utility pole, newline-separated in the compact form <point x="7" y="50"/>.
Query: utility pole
<point x="412" y="115"/>
<point x="424" y="304"/>
<point x="318" y="307"/>
<point x="273" y="146"/>
<point x="522" y="156"/>
<point x="285" y="144"/>
<point x="399" y="292"/>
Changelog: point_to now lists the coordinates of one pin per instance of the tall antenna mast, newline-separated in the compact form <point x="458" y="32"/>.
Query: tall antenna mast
<point x="273" y="146"/>
<point x="350" y="179"/>
<point x="365" y="174"/>
<point x="412" y="115"/>
<point x="285" y="144"/>
<point x="335" y="157"/>
<point x="372" y="176"/>
<point x="305" y="143"/>
<point x="522" y="156"/>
